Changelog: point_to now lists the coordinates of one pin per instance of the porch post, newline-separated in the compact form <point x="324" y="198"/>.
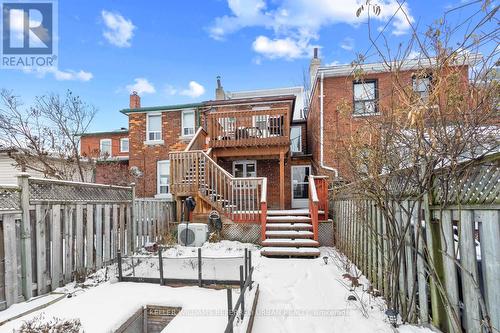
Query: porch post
<point x="282" y="180"/>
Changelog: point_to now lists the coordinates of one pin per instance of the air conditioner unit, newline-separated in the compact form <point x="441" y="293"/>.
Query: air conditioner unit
<point x="192" y="234"/>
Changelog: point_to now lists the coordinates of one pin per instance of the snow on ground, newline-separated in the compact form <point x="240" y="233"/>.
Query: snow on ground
<point x="296" y="295"/>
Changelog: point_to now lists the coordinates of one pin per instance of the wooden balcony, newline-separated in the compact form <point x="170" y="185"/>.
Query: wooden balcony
<point x="249" y="128"/>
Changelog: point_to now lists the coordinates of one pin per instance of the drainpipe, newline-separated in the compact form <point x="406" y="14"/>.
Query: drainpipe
<point x="321" y="122"/>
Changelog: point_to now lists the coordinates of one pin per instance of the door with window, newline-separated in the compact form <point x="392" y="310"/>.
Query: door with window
<point x="247" y="168"/>
<point x="300" y="185"/>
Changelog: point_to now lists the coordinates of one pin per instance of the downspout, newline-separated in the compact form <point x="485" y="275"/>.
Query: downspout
<point x="321" y="125"/>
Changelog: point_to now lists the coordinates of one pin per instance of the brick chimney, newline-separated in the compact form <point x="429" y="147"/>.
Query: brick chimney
<point x="313" y="66"/>
<point x="135" y="100"/>
<point x="219" y="91"/>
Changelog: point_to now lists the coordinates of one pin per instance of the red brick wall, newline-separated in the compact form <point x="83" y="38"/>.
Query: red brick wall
<point x="113" y="173"/>
<point x="90" y="144"/>
<point x="338" y="90"/>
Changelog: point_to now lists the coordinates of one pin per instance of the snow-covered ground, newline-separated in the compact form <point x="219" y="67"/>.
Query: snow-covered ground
<point x="296" y="295"/>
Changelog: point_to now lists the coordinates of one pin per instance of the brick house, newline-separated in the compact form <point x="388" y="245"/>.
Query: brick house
<point x="332" y="86"/>
<point x="110" y="151"/>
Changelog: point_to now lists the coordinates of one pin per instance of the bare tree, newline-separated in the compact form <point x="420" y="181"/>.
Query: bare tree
<point x="45" y="136"/>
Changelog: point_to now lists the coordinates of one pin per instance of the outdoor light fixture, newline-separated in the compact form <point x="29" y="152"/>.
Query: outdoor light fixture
<point x="325" y="259"/>
<point x="393" y="316"/>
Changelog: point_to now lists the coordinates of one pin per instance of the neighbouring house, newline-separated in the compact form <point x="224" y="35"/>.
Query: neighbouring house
<point x="110" y="152"/>
<point x="333" y="86"/>
<point x="13" y="162"/>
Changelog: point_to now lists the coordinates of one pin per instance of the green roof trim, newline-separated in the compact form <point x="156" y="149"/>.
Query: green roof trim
<point x="163" y="108"/>
<point x="104" y="133"/>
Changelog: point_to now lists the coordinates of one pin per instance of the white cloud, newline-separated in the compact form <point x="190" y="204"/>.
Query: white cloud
<point x="170" y="90"/>
<point x="119" y="30"/>
<point x="68" y="75"/>
<point x="300" y="21"/>
<point x="195" y="90"/>
<point x="347" y="44"/>
<point x="142" y="86"/>
<point x="278" y="48"/>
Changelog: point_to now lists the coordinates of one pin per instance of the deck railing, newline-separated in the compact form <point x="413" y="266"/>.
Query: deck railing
<point x="195" y="173"/>
<point x="249" y="128"/>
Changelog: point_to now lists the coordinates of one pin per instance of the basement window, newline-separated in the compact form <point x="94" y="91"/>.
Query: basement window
<point x="163" y="182"/>
<point x="365" y="97"/>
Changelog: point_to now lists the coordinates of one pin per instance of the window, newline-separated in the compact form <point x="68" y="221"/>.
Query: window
<point x="188" y="123"/>
<point x="163" y="181"/>
<point x="365" y="97"/>
<point x="154" y="127"/>
<point x="124" y="145"/>
<point x="421" y="86"/>
<point x="105" y="147"/>
<point x="242" y="169"/>
<point x="296" y="139"/>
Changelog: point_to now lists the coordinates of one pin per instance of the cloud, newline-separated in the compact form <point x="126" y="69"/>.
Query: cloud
<point x="68" y="75"/>
<point x="119" y="30"/>
<point x="347" y="44"/>
<point x="195" y="90"/>
<point x="296" y="23"/>
<point x="142" y="86"/>
<point x="278" y="48"/>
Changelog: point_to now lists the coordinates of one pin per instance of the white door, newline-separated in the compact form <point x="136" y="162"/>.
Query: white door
<point x="300" y="185"/>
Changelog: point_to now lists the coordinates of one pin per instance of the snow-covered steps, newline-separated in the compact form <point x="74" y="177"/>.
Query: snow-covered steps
<point x="288" y="242"/>
<point x="290" y="251"/>
<point x="294" y="212"/>
<point x="287" y="218"/>
<point x="289" y="234"/>
<point x="289" y="226"/>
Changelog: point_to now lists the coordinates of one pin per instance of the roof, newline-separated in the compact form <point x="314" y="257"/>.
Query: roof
<point x="119" y="131"/>
<point x="250" y="100"/>
<point x="174" y="107"/>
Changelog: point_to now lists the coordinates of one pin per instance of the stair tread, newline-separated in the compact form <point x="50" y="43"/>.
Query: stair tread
<point x="290" y="251"/>
<point x="289" y="232"/>
<point x="288" y="225"/>
<point x="289" y="242"/>
<point x="290" y="212"/>
<point x="288" y="218"/>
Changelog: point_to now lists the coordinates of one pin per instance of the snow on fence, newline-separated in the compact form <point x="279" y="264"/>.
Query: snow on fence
<point x="52" y="232"/>
<point x="458" y="237"/>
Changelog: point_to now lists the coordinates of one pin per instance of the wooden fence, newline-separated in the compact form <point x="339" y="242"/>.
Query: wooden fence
<point x="447" y="250"/>
<point x="52" y="232"/>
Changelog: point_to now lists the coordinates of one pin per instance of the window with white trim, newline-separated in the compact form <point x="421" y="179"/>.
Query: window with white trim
<point x="163" y="177"/>
<point x="421" y="86"/>
<point x="154" y="127"/>
<point x="365" y="97"/>
<point x="105" y="147"/>
<point x="296" y="139"/>
<point x="188" y="123"/>
<point x="124" y="145"/>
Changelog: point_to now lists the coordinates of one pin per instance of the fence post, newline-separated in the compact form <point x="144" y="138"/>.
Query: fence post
<point x="246" y="263"/>
<point x="229" y="308"/>
<point x="26" y="267"/>
<point x="132" y="227"/>
<point x="242" y="292"/>
<point x="250" y="268"/>
<point x="160" y="264"/>
<point x="119" y="257"/>
<point x="200" y="281"/>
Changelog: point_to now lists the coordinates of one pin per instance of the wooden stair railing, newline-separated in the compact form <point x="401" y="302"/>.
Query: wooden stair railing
<point x="263" y="209"/>
<point x="195" y="173"/>
<point x="318" y="201"/>
<point x="199" y="140"/>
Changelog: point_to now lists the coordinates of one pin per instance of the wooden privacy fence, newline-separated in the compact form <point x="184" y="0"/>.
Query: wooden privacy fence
<point x="445" y="249"/>
<point x="53" y="231"/>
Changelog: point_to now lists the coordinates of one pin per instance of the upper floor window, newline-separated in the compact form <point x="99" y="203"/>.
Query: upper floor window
<point x="154" y="127"/>
<point x="421" y="86"/>
<point x="124" y="145"/>
<point x="365" y="97"/>
<point x="296" y="139"/>
<point x="105" y="147"/>
<point x="188" y="123"/>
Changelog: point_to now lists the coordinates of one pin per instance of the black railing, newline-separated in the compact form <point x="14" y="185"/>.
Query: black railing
<point x="245" y="283"/>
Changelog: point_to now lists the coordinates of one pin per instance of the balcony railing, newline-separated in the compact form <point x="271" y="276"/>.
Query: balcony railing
<point x="249" y="128"/>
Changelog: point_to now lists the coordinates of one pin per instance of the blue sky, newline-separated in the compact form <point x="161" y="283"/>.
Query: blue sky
<point x="171" y="51"/>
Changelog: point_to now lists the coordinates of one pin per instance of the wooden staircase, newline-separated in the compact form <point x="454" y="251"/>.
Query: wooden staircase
<point x="289" y="233"/>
